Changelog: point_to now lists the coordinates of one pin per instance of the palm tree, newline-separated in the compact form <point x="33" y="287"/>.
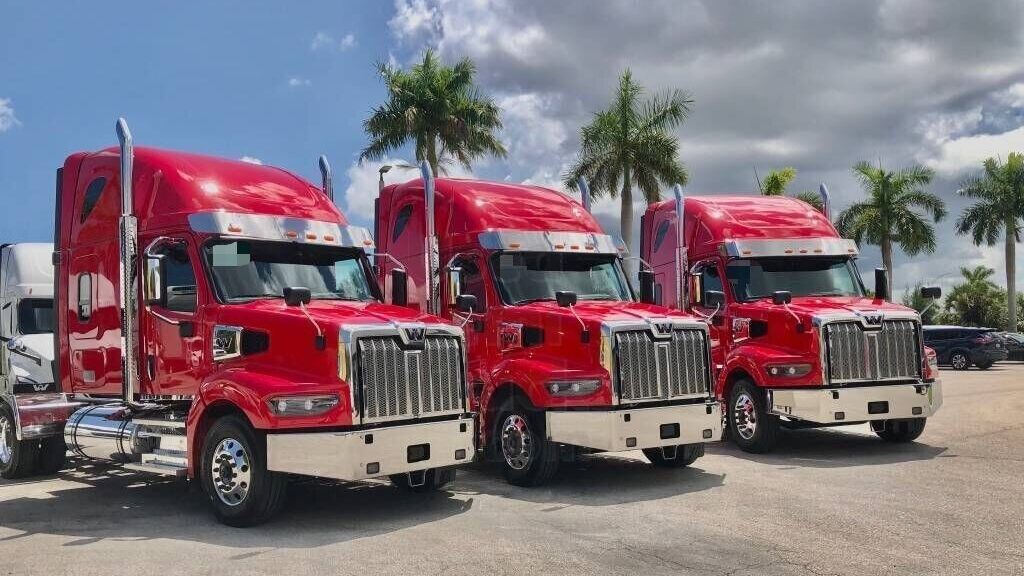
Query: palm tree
<point x="977" y="301"/>
<point x="889" y="215"/>
<point x="999" y="210"/>
<point x="439" y="109"/>
<point x="776" y="182"/>
<point x="630" y="144"/>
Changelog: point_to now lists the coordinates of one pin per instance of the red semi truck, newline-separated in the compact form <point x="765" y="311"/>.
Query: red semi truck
<point x="800" y="342"/>
<point x="258" y="345"/>
<point x="561" y="357"/>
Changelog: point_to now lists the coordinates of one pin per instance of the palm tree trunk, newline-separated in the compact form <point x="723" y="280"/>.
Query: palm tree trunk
<point x="887" y="262"/>
<point x="1011" y="274"/>
<point x="432" y="153"/>
<point x="626" y="217"/>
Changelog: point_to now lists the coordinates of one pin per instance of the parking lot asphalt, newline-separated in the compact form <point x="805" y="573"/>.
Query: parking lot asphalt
<point x="836" y="501"/>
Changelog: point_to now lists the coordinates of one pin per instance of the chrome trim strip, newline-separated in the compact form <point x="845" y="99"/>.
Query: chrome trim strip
<point x="280" y="228"/>
<point x="768" y="248"/>
<point x="551" y="241"/>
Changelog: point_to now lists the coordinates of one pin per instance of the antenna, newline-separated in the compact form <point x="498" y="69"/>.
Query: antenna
<point x="757" y="178"/>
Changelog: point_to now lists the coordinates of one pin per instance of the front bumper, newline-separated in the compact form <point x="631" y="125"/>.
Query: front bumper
<point x="362" y="454"/>
<point x="858" y="404"/>
<point x="625" y="429"/>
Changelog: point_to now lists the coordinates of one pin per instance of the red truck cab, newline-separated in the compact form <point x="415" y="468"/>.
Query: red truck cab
<point x="799" y="340"/>
<point x="560" y="353"/>
<point x="258" y="343"/>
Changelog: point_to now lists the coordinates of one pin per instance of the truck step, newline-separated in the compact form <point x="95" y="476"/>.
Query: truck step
<point x="156" y="422"/>
<point x="166" y="457"/>
<point x="157" y="468"/>
<point x="172" y="442"/>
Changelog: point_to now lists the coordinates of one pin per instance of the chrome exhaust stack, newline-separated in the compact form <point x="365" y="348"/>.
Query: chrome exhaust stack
<point x="826" y="207"/>
<point x="682" y="266"/>
<point x="433" y="283"/>
<point x="584" y="187"/>
<point x="128" y="238"/>
<point x="325" y="176"/>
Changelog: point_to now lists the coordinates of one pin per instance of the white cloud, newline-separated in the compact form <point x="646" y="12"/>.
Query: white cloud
<point x="347" y="41"/>
<point x="296" y="82"/>
<point x="320" y="41"/>
<point x="7" y="118"/>
<point x="363" y="182"/>
<point x="414" y="19"/>
<point x="324" y="41"/>
<point x="251" y="160"/>
<point x="967" y="152"/>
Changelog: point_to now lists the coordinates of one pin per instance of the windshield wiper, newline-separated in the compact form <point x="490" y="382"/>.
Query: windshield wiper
<point x="254" y="296"/>
<point x="529" y="300"/>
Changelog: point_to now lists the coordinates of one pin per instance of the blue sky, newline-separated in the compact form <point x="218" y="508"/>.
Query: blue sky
<point x="813" y="84"/>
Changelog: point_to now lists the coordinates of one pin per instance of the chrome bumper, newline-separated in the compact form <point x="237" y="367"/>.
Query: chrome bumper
<point x="372" y="453"/>
<point x="832" y="405"/>
<point x="618" y="430"/>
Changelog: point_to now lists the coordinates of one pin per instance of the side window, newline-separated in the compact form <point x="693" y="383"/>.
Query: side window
<point x="84" y="297"/>
<point x="659" y="235"/>
<point x="92" y="196"/>
<point x="400" y="221"/>
<point x="710" y="281"/>
<point x="472" y="281"/>
<point x="179" y="279"/>
<point x="657" y="294"/>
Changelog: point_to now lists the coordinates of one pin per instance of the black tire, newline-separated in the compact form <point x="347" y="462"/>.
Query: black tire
<point x="17" y="458"/>
<point x="984" y="365"/>
<point x="899" y="431"/>
<point x="685" y="455"/>
<point x="239" y="452"/>
<point x="752" y="412"/>
<point x="960" y="360"/>
<point x="524" y="453"/>
<point x="436" y="479"/>
<point x="52" y="455"/>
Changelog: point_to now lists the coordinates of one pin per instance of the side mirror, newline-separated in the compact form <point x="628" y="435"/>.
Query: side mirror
<point x="454" y="285"/>
<point x="15" y="345"/>
<point x="399" y="287"/>
<point x="781" y="297"/>
<point x="716" y="299"/>
<point x="647" y="286"/>
<point x="565" y="298"/>
<point x="466" y="303"/>
<point x="931" y="292"/>
<point x="881" y="284"/>
<point x="154" y="285"/>
<point x="294" y="296"/>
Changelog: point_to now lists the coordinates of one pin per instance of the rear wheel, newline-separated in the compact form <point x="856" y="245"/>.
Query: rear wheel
<point x="234" y="474"/>
<point x="901" y="430"/>
<point x="959" y="361"/>
<point x="52" y="455"/>
<point x="674" y="456"/>
<point x="431" y="480"/>
<point x="17" y="457"/>
<point x="751" y="427"/>
<point x="527" y="458"/>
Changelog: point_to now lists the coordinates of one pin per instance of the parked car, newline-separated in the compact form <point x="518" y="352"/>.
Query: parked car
<point x="1014" y="343"/>
<point x="962" y="347"/>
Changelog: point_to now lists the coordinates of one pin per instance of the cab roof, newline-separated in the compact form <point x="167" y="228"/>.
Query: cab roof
<point x="751" y="217"/>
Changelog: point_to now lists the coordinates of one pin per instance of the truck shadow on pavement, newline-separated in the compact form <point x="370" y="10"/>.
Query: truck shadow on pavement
<point x="831" y="448"/>
<point x="593" y="480"/>
<point x="112" y="503"/>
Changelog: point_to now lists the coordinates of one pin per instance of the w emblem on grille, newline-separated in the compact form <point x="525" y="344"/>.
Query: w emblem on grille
<point x="872" y="319"/>
<point x="661" y="328"/>
<point x="415" y="334"/>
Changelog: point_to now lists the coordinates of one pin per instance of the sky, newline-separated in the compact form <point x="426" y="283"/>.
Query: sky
<point x="817" y="85"/>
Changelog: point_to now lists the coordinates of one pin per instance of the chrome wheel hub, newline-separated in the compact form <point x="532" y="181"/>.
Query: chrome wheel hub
<point x="231" y="472"/>
<point x="745" y="416"/>
<point x="6" y="440"/>
<point x="516" y="442"/>
<point x="959" y="361"/>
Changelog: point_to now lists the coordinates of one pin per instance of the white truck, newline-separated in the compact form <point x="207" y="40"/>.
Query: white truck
<point x="26" y="358"/>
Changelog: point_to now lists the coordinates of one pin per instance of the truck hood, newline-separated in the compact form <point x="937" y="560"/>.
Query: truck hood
<point x="329" y="313"/>
<point x="808" y="307"/>
<point x="595" y="312"/>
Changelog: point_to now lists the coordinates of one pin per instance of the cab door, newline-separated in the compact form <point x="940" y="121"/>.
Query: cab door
<point x="479" y="326"/>
<point x="707" y="276"/>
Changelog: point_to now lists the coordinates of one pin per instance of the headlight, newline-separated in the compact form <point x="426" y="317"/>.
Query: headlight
<point x="343" y="363"/>
<point x="573" y="387"/>
<point x="302" y="405"/>
<point x="789" y="370"/>
<point x="606" y="352"/>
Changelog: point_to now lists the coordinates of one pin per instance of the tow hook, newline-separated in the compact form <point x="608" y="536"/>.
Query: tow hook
<point x="417" y="478"/>
<point x="669" y="452"/>
<point x="921" y="389"/>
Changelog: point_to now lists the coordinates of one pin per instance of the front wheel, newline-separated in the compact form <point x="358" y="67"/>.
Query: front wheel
<point x="674" y="456"/>
<point x="898" y="431"/>
<point x="432" y="480"/>
<point x="234" y="474"/>
<point x="17" y="457"/>
<point x="528" y="459"/>
<point x="960" y="361"/>
<point x="751" y="427"/>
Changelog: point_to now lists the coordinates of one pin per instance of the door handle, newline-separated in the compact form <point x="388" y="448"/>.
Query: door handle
<point x="186" y="329"/>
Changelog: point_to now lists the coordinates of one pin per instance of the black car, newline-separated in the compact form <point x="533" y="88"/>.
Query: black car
<point x="1014" y="343"/>
<point x="961" y="347"/>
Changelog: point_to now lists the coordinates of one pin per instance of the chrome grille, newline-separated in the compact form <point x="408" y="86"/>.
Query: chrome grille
<point x="397" y="382"/>
<point x="651" y="370"/>
<point x="857" y="355"/>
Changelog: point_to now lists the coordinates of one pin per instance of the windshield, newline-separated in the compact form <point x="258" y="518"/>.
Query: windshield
<point x="249" y="270"/>
<point x="35" y="316"/>
<point x="801" y="276"/>
<point x="531" y="276"/>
